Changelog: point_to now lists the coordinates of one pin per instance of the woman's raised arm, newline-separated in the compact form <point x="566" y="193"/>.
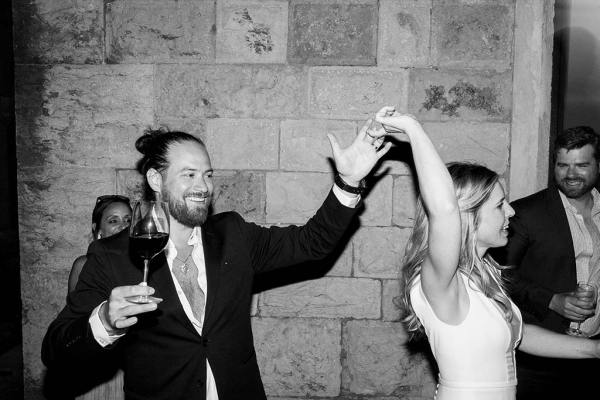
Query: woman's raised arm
<point x="439" y="199"/>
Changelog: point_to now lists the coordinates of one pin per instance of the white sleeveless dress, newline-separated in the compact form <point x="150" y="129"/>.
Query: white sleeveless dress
<point x="476" y="358"/>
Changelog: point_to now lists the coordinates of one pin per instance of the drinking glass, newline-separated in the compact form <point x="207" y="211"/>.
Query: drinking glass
<point x="588" y="292"/>
<point x="148" y="236"/>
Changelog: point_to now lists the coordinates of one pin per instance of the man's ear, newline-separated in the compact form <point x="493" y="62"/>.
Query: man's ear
<point x="154" y="179"/>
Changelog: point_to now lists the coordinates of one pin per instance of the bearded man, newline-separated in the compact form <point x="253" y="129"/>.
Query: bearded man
<point x="197" y="343"/>
<point x="554" y="243"/>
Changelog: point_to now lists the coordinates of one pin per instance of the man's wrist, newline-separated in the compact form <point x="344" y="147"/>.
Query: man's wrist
<point x="102" y="314"/>
<point x="350" y="185"/>
<point x="100" y="333"/>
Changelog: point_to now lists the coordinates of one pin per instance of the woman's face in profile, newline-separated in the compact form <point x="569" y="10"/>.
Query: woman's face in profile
<point x="115" y="218"/>
<point x="494" y="216"/>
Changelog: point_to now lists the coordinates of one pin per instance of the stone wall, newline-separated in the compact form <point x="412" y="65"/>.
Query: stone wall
<point x="262" y="82"/>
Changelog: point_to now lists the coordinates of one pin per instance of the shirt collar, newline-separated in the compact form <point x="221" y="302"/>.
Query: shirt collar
<point x="569" y="207"/>
<point x="194" y="239"/>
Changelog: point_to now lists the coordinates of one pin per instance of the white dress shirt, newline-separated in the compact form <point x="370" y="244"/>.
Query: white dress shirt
<point x="586" y="247"/>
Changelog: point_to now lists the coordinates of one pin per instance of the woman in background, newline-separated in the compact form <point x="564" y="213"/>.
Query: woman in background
<point x="111" y="214"/>
<point x="452" y="288"/>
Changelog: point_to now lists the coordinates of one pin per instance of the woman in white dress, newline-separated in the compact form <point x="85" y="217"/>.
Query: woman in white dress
<point x="452" y="290"/>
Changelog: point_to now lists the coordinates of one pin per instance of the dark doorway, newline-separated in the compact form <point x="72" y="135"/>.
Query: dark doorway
<point x="575" y="67"/>
<point x="11" y="363"/>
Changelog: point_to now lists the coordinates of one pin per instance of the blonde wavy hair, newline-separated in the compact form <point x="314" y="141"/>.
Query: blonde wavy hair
<point x="473" y="185"/>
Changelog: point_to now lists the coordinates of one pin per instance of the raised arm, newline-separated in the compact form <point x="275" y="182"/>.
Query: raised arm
<point x="438" y="274"/>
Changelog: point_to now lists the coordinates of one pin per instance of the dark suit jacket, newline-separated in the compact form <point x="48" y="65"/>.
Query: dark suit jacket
<point x="163" y="355"/>
<point x="540" y="248"/>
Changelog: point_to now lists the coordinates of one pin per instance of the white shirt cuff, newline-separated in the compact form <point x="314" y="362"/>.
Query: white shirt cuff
<point x="100" y="334"/>
<point x="347" y="199"/>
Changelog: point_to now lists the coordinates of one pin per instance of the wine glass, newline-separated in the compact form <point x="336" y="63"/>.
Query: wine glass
<point x="586" y="292"/>
<point x="148" y="236"/>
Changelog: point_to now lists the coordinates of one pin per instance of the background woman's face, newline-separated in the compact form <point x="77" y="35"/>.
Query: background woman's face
<point x="115" y="218"/>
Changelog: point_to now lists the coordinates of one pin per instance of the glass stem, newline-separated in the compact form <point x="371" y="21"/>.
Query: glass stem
<point x="145" y="281"/>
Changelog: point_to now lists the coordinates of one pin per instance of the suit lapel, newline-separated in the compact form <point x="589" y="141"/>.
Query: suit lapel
<point x="212" y="245"/>
<point x="561" y="236"/>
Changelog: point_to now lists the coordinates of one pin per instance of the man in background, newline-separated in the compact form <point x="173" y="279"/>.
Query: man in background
<point x="554" y="243"/>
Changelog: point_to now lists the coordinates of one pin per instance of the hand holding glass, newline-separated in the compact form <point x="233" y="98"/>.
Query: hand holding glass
<point x="148" y="236"/>
<point x="588" y="293"/>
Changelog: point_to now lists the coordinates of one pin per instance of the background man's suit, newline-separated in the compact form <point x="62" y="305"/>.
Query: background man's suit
<point x="163" y="348"/>
<point x="540" y="248"/>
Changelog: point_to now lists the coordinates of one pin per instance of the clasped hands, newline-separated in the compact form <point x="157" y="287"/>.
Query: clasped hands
<point x="355" y="162"/>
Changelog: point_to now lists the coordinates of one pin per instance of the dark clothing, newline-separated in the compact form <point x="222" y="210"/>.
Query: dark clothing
<point x="163" y="355"/>
<point x="540" y="248"/>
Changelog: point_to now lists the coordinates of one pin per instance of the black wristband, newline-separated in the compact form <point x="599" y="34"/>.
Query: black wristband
<point x="347" y="188"/>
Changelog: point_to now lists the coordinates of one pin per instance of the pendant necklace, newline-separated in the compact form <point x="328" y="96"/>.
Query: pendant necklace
<point x="184" y="266"/>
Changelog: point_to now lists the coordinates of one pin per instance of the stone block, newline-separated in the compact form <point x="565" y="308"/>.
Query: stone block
<point x="269" y="91"/>
<point x="252" y="31"/>
<point x="378" y="252"/>
<point x="305" y="147"/>
<point x="58" y="31"/>
<point x="295" y="197"/>
<point x="351" y="397"/>
<point x="483" y="143"/>
<point x="298" y="357"/>
<point x="142" y="31"/>
<point x="55" y="208"/>
<point x="460" y="95"/>
<point x="325" y="32"/>
<point x="325" y="298"/>
<point x="472" y="35"/>
<point x="188" y="123"/>
<point x="43" y="295"/>
<point x="351" y="93"/>
<point x="243" y="143"/>
<point x="474" y="2"/>
<point x="378" y="203"/>
<point x="343" y="264"/>
<point x="391" y="300"/>
<point x="378" y="362"/>
<point x="404" y="30"/>
<point x="240" y="191"/>
<point x="82" y="115"/>
<point x="131" y="184"/>
<point x="405" y="201"/>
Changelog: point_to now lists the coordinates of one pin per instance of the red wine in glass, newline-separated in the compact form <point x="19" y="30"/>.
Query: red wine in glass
<point x="148" y="236"/>
<point x="148" y="246"/>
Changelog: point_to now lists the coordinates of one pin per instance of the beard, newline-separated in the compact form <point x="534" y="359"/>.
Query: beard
<point x="575" y="192"/>
<point x="190" y="217"/>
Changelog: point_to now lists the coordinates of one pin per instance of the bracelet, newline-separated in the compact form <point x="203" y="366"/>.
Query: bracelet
<point x="348" y="188"/>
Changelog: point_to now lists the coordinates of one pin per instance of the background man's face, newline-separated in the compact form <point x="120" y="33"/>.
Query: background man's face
<point x="576" y="171"/>
<point x="187" y="183"/>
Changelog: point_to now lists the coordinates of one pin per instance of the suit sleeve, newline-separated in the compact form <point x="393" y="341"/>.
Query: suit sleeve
<point x="69" y="338"/>
<point x="531" y="297"/>
<point x="277" y="247"/>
